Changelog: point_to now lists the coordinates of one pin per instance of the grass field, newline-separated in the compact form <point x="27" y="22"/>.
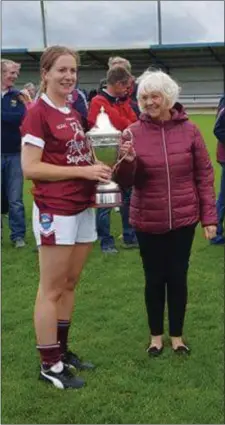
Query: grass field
<point x="110" y="328"/>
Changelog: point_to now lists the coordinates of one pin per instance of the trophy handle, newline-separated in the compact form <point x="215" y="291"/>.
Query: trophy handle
<point x="95" y="159"/>
<point x="128" y="131"/>
<point x="119" y="161"/>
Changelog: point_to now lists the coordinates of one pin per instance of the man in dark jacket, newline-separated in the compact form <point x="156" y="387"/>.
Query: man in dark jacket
<point x="219" y="131"/>
<point x="12" y="113"/>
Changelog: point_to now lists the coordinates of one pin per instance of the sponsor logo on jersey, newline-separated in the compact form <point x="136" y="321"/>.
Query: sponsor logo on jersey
<point x="77" y="151"/>
<point x="60" y="126"/>
<point x="78" y="130"/>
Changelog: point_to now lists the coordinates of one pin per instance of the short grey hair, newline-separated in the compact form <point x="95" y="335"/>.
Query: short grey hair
<point x="29" y="86"/>
<point x="157" y="81"/>
<point x="118" y="60"/>
<point x="8" y="62"/>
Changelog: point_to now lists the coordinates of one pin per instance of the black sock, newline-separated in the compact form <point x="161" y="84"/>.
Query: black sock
<point x="62" y="334"/>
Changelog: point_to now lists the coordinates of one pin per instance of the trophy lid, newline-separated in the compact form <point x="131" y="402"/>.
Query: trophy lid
<point x="103" y="126"/>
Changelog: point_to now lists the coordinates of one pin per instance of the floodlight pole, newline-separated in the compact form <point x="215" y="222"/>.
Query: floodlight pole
<point x="43" y="23"/>
<point x="159" y="17"/>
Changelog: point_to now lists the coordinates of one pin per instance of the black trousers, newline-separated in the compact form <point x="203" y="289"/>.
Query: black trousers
<point x="165" y="259"/>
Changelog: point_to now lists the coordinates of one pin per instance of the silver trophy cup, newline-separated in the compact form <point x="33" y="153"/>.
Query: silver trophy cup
<point x="104" y="140"/>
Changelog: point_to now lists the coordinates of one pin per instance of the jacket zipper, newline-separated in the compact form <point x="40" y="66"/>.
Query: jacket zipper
<point x="168" y="177"/>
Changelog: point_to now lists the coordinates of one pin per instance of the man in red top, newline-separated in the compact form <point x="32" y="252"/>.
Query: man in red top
<point x="121" y="115"/>
<point x="131" y="95"/>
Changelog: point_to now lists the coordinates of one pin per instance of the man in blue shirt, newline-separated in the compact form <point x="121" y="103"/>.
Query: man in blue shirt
<point x="12" y="114"/>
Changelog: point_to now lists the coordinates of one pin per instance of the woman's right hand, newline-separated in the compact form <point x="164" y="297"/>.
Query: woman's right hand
<point x="127" y="151"/>
<point x="99" y="172"/>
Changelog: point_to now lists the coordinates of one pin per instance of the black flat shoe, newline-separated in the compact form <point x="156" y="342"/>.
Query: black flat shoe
<point x="182" y="349"/>
<point x="154" y="351"/>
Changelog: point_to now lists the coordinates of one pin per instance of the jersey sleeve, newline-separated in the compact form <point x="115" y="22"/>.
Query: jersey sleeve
<point x="32" y="129"/>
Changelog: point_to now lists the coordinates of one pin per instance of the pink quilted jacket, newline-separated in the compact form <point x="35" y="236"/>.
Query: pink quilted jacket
<point x="172" y="176"/>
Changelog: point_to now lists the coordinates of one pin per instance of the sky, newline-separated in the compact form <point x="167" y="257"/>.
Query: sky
<point x="110" y="24"/>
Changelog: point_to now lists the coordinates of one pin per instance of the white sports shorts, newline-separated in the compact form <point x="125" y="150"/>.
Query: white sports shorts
<point x="52" y="229"/>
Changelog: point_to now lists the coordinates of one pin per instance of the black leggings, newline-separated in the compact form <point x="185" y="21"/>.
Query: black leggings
<point x="165" y="259"/>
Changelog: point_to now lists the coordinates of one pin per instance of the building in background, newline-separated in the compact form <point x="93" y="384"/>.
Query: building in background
<point x="198" y="68"/>
<point x="144" y="33"/>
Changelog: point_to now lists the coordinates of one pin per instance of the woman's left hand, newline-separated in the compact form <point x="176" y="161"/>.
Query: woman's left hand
<point x="210" y="232"/>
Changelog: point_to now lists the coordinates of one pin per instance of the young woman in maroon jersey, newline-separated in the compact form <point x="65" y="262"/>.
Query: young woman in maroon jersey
<point x="57" y="159"/>
<point x="172" y="177"/>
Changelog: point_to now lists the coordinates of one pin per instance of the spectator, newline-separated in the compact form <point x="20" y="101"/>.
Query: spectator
<point x="219" y="131"/>
<point x="131" y="96"/>
<point x="31" y="88"/>
<point x="78" y="101"/>
<point x="121" y="115"/>
<point x="24" y="97"/>
<point x="12" y="114"/>
<point x="92" y="94"/>
<point x="172" y="177"/>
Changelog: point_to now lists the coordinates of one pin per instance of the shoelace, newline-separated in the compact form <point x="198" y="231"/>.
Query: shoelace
<point x="66" y="372"/>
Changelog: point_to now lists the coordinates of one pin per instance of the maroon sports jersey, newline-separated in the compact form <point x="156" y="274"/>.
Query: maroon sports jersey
<point x="59" y="133"/>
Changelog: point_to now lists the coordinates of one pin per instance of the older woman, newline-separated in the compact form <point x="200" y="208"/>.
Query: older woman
<point x="169" y="168"/>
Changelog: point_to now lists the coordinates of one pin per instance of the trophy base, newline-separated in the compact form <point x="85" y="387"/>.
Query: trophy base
<point x="108" y="195"/>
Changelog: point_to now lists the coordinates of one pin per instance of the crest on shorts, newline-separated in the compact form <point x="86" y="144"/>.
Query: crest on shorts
<point x="46" y="221"/>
